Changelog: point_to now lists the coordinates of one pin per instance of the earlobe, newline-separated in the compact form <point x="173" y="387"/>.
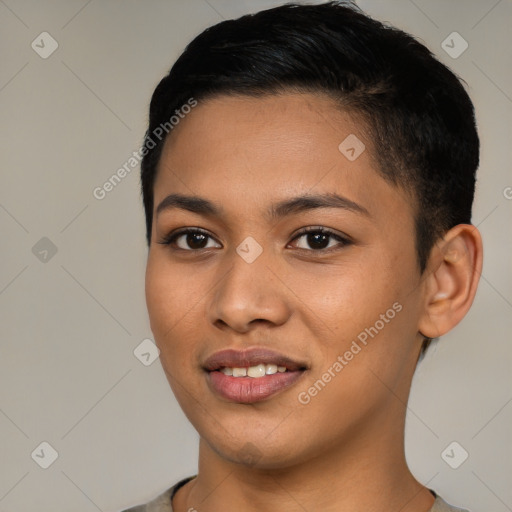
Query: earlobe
<point x="455" y="266"/>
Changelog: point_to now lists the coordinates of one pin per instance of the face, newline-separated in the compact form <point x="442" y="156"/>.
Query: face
<point x="298" y="255"/>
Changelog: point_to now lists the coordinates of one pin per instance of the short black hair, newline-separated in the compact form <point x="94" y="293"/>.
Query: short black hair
<point x="420" y="119"/>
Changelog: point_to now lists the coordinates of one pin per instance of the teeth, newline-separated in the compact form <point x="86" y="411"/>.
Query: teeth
<point x="239" y="372"/>
<point x="254" y="372"/>
<point x="270" y="369"/>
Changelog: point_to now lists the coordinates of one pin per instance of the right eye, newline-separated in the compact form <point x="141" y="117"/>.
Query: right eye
<point x="188" y="239"/>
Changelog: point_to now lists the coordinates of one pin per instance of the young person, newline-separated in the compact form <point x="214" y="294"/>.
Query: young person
<point x="308" y="179"/>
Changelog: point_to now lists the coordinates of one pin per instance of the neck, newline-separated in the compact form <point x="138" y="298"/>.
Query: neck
<point x="365" y="471"/>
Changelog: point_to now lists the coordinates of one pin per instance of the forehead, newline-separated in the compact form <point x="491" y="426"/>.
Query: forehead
<point x="287" y="125"/>
<point x="275" y="146"/>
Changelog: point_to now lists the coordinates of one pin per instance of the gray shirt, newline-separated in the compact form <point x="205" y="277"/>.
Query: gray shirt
<point x="162" y="503"/>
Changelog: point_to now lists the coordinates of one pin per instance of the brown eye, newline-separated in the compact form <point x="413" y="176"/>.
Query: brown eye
<point x="318" y="239"/>
<point x="189" y="240"/>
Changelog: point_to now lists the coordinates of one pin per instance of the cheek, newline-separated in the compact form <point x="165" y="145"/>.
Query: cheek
<point x="159" y="298"/>
<point x="346" y="297"/>
<point x="168" y="292"/>
<point x="366" y="301"/>
<point x="172" y="301"/>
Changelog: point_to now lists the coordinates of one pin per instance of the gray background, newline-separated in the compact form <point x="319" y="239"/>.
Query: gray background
<point x="72" y="320"/>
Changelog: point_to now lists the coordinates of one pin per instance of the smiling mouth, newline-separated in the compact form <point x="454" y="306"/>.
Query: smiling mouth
<point x="252" y="375"/>
<point x="247" y="390"/>
<point x="254" y="372"/>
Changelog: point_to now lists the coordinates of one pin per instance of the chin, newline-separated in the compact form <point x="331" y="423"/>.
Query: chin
<point x="255" y="451"/>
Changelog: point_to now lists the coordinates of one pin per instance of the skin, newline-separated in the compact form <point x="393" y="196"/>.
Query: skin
<point x="344" y="450"/>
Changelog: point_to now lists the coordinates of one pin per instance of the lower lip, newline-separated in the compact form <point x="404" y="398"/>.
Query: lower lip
<point x="247" y="390"/>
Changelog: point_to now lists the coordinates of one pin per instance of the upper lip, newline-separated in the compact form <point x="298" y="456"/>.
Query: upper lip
<point x="232" y="358"/>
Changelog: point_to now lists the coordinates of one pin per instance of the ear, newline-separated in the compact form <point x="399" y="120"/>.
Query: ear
<point x="454" y="269"/>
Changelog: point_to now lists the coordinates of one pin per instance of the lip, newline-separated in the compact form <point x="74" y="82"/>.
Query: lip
<point x="248" y="390"/>
<point x="250" y="357"/>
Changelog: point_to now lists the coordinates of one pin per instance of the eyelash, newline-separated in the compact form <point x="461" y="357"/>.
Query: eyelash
<point x="172" y="237"/>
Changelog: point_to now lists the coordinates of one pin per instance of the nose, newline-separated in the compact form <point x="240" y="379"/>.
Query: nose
<point x="249" y="294"/>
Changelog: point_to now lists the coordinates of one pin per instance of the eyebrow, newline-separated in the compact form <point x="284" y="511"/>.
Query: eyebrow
<point x="284" y="208"/>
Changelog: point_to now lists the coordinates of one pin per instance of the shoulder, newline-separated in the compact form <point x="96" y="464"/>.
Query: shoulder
<point x="162" y="503"/>
<point x="441" y="505"/>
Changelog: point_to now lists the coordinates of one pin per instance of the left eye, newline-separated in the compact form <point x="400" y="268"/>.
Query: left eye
<point x="319" y="239"/>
